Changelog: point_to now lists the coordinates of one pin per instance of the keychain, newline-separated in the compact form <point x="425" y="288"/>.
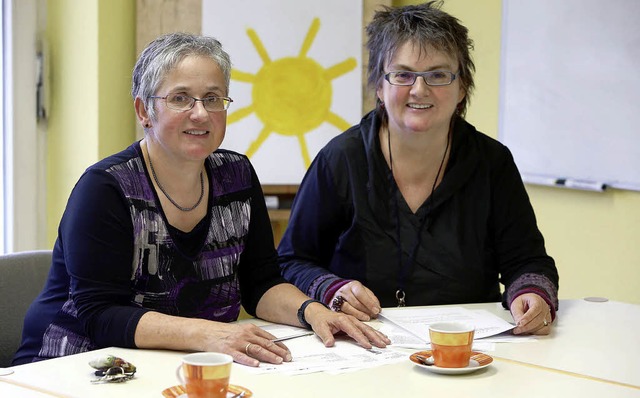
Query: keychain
<point x="400" y="297"/>
<point x="112" y="369"/>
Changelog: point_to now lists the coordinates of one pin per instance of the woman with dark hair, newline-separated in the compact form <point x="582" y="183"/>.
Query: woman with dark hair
<point x="414" y="206"/>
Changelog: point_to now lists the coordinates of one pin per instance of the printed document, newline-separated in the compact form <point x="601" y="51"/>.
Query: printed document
<point x="310" y="355"/>
<point x="398" y="321"/>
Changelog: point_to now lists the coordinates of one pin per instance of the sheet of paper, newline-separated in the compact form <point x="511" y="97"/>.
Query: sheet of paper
<point x="406" y="327"/>
<point x="416" y="321"/>
<point x="283" y="330"/>
<point x="310" y="355"/>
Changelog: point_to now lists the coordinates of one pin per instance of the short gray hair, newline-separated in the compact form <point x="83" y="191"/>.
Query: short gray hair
<point x="424" y="25"/>
<point x="164" y="53"/>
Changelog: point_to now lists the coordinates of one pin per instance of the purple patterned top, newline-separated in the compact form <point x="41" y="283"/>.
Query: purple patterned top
<point x="116" y="257"/>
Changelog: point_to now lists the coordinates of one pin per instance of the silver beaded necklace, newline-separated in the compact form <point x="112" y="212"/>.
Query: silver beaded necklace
<point x="155" y="178"/>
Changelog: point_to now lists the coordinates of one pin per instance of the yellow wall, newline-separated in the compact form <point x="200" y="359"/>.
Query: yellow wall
<point x="116" y="57"/>
<point x="91" y="113"/>
<point x="72" y="125"/>
<point x="593" y="236"/>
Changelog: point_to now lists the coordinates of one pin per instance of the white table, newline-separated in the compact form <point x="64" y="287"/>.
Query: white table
<point x="595" y="339"/>
<point x="568" y="363"/>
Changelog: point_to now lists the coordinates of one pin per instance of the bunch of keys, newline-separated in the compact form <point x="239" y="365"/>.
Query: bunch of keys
<point x="115" y="374"/>
<point x="112" y="369"/>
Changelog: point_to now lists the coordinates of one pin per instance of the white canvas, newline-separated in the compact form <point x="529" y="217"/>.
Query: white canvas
<point x="296" y="80"/>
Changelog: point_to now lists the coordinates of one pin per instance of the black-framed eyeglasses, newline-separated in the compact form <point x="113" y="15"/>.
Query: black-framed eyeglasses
<point x="183" y="102"/>
<point x="432" y="78"/>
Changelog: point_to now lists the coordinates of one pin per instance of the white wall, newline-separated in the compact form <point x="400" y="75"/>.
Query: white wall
<point x="24" y="139"/>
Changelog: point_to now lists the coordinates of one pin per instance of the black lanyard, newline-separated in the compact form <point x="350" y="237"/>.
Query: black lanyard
<point x="406" y="267"/>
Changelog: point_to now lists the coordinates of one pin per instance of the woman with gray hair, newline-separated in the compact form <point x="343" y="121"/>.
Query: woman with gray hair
<point x="162" y="243"/>
<point x="414" y="206"/>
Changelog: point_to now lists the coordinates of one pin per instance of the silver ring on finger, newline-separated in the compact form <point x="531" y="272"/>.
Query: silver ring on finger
<point x="545" y="322"/>
<point x="246" y="349"/>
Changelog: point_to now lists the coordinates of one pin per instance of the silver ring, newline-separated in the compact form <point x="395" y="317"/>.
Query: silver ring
<point x="246" y="348"/>
<point x="545" y="322"/>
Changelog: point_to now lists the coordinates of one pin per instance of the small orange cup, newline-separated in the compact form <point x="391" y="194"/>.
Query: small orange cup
<point x="205" y="374"/>
<point x="451" y="344"/>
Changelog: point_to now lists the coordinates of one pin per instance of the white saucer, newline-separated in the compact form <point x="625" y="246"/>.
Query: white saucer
<point x="473" y="366"/>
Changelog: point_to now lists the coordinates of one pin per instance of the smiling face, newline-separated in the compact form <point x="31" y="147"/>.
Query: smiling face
<point x="420" y="108"/>
<point x="192" y="134"/>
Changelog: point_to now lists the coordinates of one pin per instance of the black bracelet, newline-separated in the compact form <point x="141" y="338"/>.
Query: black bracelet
<point x="303" y="307"/>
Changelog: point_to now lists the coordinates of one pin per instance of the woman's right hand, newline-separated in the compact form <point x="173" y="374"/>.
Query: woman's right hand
<point x="357" y="300"/>
<point x="248" y="344"/>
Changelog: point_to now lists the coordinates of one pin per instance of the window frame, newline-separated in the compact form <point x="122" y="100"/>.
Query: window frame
<point x="23" y="138"/>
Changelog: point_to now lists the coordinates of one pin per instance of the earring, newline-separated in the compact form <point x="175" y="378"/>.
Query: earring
<point x="147" y="125"/>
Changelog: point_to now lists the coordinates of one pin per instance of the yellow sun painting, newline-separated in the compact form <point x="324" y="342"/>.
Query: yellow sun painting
<point x="292" y="95"/>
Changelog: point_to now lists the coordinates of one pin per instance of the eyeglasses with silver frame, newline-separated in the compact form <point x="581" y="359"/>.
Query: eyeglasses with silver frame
<point x="182" y="102"/>
<point x="432" y="78"/>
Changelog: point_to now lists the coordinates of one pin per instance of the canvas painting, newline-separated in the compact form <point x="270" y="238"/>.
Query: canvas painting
<point x="296" y="80"/>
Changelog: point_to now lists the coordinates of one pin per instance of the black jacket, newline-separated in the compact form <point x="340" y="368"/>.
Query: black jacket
<point x="480" y="229"/>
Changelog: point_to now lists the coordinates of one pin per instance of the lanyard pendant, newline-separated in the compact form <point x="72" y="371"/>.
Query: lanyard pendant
<point x="400" y="297"/>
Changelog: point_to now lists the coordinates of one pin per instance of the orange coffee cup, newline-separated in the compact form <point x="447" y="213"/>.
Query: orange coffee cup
<point x="451" y="344"/>
<point x="205" y="374"/>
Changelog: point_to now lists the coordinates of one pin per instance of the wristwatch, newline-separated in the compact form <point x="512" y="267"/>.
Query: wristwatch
<point x="303" y="307"/>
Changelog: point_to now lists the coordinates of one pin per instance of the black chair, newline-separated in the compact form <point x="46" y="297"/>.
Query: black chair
<point x="22" y="276"/>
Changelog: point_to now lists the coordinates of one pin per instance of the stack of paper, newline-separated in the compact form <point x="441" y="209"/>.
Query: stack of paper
<point x="310" y="355"/>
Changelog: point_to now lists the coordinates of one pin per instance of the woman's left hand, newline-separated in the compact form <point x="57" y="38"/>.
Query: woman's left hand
<point x="327" y="323"/>
<point x="531" y="314"/>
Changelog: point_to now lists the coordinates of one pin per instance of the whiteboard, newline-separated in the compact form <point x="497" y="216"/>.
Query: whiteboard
<point x="570" y="91"/>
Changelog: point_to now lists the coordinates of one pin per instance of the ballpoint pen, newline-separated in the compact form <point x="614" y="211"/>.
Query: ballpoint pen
<point x="293" y="336"/>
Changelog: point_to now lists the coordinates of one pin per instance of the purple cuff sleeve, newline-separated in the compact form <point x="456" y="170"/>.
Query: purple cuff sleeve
<point x="534" y="283"/>
<point x="331" y="290"/>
